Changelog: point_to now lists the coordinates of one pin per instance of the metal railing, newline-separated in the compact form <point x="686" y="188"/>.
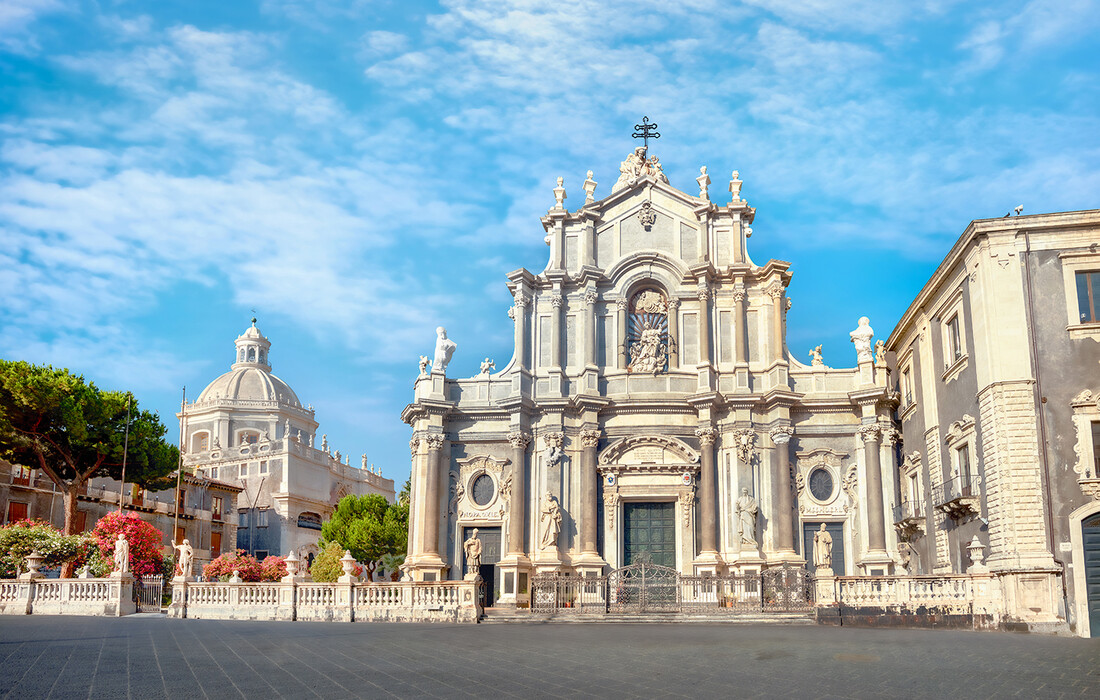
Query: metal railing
<point x="908" y="510"/>
<point x="954" y="489"/>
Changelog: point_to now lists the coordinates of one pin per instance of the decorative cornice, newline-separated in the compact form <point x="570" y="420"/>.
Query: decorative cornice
<point x="612" y="453"/>
<point x="519" y="440"/>
<point x="958" y="430"/>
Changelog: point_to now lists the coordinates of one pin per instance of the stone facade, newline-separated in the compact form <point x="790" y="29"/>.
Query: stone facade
<point x="249" y="429"/>
<point x="651" y="374"/>
<point x="996" y="363"/>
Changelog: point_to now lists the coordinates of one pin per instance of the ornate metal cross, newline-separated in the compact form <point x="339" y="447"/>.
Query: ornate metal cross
<point x="645" y="131"/>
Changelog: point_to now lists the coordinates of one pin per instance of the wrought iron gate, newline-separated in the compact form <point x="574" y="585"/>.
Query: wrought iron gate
<point x="650" y="588"/>
<point x="148" y="593"/>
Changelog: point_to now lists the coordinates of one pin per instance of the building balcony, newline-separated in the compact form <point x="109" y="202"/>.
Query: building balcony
<point x="909" y="519"/>
<point x="960" y="497"/>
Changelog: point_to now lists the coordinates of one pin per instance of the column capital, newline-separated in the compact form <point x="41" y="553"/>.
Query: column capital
<point x="775" y="290"/>
<point x="706" y="435"/>
<point x="591" y="297"/>
<point x="703" y="294"/>
<point x="892" y="436"/>
<point x="739" y="296"/>
<point x="782" y="434"/>
<point x="435" y="442"/>
<point x="591" y="438"/>
<point x="621" y="304"/>
<point x="870" y="433"/>
<point x="519" y="440"/>
<point x="414" y="446"/>
<point x="673" y="303"/>
<point x="557" y="300"/>
<point x="553" y="439"/>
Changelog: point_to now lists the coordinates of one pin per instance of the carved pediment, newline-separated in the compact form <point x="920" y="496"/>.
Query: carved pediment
<point x="649" y="449"/>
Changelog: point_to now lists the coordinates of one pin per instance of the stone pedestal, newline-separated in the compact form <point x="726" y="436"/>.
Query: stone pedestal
<point x="749" y="562"/>
<point x="515" y="581"/>
<point x="548" y="561"/>
<point x="876" y="564"/>
<point x="122" y="590"/>
<point x="825" y="588"/>
<point x="178" y="606"/>
<point x="708" y="564"/>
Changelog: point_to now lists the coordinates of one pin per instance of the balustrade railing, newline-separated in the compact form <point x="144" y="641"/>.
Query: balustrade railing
<point x="954" y="489"/>
<point x="948" y="591"/>
<point x="908" y="510"/>
<point x="77" y="596"/>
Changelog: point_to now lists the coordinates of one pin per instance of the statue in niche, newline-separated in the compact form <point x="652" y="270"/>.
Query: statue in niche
<point x="747" y="509"/>
<point x="550" y="519"/>
<point x="647" y="353"/>
<point x="122" y="555"/>
<point x="424" y="361"/>
<point x="472" y="548"/>
<point x="648" y="328"/>
<point x="861" y="338"/>
<point x="823" y="549"/>
<point x="444" y="348"/>
<point x="636" y="166"/>
<point x="815" y="355"/>
<point x="184" y="561"/>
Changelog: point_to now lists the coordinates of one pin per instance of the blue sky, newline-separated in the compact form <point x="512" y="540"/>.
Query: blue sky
<point x="360" y="172"/>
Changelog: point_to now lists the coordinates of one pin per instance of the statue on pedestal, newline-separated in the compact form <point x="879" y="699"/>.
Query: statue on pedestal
<point x="444" y="348"/>
<point x="861" y="337"/>
<point x="122" y="555"/>
<point x="472" y="548"/>
<point x="823" y="549"/>
<point x="550" y="521"/>
<point x="184" y="562"/>
<point x="747" y="509"/>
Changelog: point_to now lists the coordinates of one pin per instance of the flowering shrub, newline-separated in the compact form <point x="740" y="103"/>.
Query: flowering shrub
<point x="18" y="539"/>
<point x="246" y="566"/>
<point x="145" y="543"/>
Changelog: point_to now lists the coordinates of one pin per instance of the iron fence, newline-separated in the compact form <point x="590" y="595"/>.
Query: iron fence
<point x="149" y="593"/>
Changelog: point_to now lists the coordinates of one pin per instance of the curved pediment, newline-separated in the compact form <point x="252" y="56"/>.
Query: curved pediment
<point x="649" y="449"/>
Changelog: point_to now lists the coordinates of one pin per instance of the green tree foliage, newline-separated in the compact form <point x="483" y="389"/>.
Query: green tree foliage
<point x="328" y="567"/>
<point x="368" y="527"/>
<point x="70" y="429"/>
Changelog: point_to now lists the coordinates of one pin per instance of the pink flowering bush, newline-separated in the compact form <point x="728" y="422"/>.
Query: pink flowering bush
<point x="252" y="571"/>
<point x="144" y="539"/>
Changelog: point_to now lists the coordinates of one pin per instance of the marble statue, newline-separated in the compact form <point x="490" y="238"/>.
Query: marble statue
<point x="553" y="455"/>
<point x="424" y="361"/>
<point x="550" y="521"/>
<point x="704" y="183"/>
<point x="861" y="337"/>
<point x="84" y="571"/>
<point x="472" y="548"/>
<point x="324" y="442"/>
<point x="823" y="549"/>
<point x="487" y="366"/>
<point x="636" y="166"/>
<point x="647" y="354"/>
<point x="364" y="464"/>
<point x="816" y="355"/>
<point x="747" y="508"/>
<point x="286" y="429"/>
<point x="184" y="561"/>
<point x="444" y="348"/>
<point x="122" y="555"/>
<point x="880" y="353"/>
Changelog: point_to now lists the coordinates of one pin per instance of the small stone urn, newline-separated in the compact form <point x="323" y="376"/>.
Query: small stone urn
<point x="236" y="577"/>
<point x="291" y="567"/>
<point x="348" y="564"/>
<point x="976" y="550"/>
<point x="33" y="561"/>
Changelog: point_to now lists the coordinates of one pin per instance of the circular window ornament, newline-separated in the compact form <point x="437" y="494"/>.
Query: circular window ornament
<point x="483" y="490"/>
<point x="821" y="484"/>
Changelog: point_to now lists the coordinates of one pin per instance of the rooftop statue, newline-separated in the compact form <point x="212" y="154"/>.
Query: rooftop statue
<point x="636" y="166"/>
<point x="444" y="348"/>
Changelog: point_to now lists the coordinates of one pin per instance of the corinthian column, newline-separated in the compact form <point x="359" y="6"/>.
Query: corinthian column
<point x="588" y="328"/>
<point x="518" y="501"/>
<point x="621" y="310"/>
<point x="519" y="315"/>
<point x="708" y="504"/>
<point x="431" y="510"/>
<point x="876" y="528"/>
<point x="704" y="327"/>
<point x="556" y="325"/>
<point x="775" y="291"/>
<point x="674" y="333"/>
<point x="784" y="505"/>
<point x="590" y="439"/>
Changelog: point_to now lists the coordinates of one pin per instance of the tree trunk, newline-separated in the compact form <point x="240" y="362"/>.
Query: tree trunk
<point x="69" y="494"/>
<point x="370" y="571"/>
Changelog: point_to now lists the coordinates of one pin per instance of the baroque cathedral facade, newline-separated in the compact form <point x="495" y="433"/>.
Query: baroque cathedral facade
<point x="651" y="410"/>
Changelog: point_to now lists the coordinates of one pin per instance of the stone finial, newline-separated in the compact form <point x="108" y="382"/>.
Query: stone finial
<point x="347" y="564"/>
<point x="976" y="551"/>
<point x="704" y="183"/>
<point x="559" y="194"/>
<point x="589" y="188"/>
<point x="735" y="187"/>
<point x="236" y="577"/>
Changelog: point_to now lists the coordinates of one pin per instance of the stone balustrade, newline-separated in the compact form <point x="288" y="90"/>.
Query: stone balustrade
<point x="77" y="596"/>
<point x="407" y="601"/>
<point x="977" y="595"/>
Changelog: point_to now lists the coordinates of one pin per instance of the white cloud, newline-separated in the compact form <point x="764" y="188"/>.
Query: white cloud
<point x="1040" y="25"/>
<point x="17" y="18"/>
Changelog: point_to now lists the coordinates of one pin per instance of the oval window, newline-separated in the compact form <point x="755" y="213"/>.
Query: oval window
<point x="821" y="484"/>
<point x="482" y="491"/>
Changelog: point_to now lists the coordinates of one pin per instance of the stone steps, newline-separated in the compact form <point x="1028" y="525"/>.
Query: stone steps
<point x="506" y="616"/>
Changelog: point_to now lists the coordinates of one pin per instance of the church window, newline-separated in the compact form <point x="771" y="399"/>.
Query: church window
<point x="483" y="490"/>
<point x="821" y="484"/>
<point x="263" y="467"/>
<point x="261" y="517"/>
<point x="213" y="472"/>
<point x="252" y="354"/>
<point x="200" y="442"/>
<point x="954" y="340"/>
<point x="263" y="357"/>
<point x="21" y="476"/>
<point x="249" y="438"/>
<point x="244" y="470"/>
<point x="242" y="517"/>
<point x="647" y="332"/>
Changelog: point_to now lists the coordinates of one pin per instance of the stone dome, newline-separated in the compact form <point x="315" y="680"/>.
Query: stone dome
<point x="250" y="377"/>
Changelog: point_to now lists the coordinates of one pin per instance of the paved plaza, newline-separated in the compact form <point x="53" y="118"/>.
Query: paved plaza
<point x="153" y="657"/>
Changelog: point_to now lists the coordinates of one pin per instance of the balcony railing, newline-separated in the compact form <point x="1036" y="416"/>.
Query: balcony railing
<point x="908" y="510"/>
<point x="958" y="497"/>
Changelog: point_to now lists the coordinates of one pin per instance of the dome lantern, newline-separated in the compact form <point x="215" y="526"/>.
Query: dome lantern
<point x="252" y="348"/>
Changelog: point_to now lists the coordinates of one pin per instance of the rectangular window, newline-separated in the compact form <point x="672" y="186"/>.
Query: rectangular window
<point x="907" y="386"/>
<point x="20" y="476"/>
<point x="954" y="340"/>
<point x="963" y="465"/>
<point x="213" y="472"/>
<point x="261" y="517"/>
<point x="261" y="554"/>
<point x="183" y="498"/>
<point x="1088" y="296"/>
<point x="216" y="507"/>
<point x="263" y="467"/>
<point x="244" y="470"/>
<point x="243" y="517"/>
<point x="16" y="511"/>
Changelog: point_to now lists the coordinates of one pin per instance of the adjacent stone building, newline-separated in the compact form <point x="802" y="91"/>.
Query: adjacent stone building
<point x="651" y="409"/>
<point x="997" y="363"/>
<point x="249" y="429"/>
